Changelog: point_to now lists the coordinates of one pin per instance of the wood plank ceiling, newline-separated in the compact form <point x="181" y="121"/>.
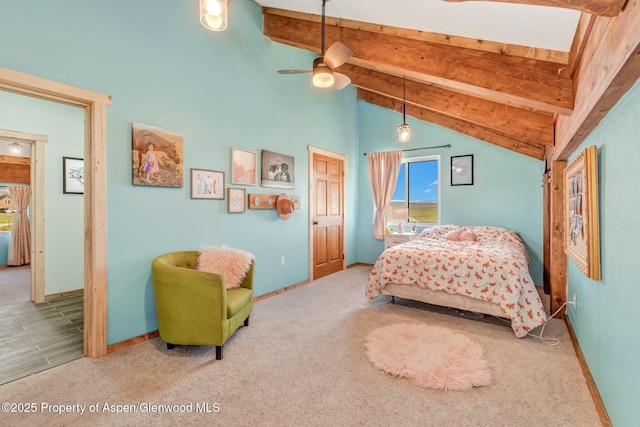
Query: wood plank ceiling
<point x="506" y="95"/>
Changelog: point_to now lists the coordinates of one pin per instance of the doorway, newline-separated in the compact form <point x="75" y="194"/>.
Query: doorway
<point x="94" y="106"/>
<point x="326" y="211"/>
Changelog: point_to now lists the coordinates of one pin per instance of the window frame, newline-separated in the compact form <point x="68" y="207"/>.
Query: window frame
<point x="419" y="159"/>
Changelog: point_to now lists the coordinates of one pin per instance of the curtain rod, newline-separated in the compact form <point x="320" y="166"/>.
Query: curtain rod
<point x="423" y="148"/>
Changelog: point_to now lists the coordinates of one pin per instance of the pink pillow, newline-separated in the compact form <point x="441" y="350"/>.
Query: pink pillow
<point x="453" y="235"/>
<point x="233" y="264"/>
<point x="468" y="236"/>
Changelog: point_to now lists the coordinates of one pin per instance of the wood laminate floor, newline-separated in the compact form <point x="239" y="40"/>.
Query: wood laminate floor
<point x="35" y="337"/>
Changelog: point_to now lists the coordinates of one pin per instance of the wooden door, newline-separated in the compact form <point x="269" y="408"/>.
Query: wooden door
<point x="327" y="216"/>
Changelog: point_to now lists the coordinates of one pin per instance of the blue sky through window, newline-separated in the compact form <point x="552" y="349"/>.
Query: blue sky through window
<point x="423" y="181"/>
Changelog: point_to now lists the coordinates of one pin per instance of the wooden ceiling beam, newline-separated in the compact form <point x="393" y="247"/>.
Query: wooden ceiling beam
<point x="608" y="68"/>
<point x="470" y="129"/>
<point x="593" y="7"/>
<point x="521" y="82"/>
<point x="536" y="53"/>
<point x="522" y="125"/>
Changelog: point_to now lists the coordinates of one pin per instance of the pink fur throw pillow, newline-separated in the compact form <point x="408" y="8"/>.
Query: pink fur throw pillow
<point x="453" y="235"/>
<point x="468" y="236"/>
<point x="233" y="264"/>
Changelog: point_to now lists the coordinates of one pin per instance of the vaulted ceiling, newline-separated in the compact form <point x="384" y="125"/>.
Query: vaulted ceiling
<point x="520" y="97"/>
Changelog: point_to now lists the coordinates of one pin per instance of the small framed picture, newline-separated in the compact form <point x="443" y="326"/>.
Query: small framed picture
<point x="207" y="184"/>
<point x="235" y="200"/>
<point x="72" y="175"/>
<point x="244" y="167"/>
<point x="462" y="170"/>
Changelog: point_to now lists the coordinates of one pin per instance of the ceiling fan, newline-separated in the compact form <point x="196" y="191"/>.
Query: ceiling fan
<point x="323" y="75"/>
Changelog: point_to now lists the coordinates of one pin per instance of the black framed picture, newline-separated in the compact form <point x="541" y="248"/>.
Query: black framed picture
<point x="462" y="170"/>
<point x="72" y="175"/>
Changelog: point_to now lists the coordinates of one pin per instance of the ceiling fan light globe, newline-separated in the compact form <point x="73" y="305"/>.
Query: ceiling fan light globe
<point x="404" y="133"/>
<point x="322" y="76"/>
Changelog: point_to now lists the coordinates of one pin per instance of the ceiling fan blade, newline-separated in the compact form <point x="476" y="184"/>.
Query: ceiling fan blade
<point x="340" y="81"/>
<point x="337" y="54"/>
<point x="294" y="71"/>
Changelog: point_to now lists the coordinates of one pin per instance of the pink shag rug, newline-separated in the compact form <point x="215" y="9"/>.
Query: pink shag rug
<point x="433" y="357"/>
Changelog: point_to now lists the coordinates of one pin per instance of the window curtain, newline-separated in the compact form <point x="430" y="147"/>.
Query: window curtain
<point x="20" y="241"/>
<point x="383" y="174"/>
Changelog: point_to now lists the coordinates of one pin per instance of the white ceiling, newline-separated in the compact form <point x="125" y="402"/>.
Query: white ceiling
<point x="525" y="25"/>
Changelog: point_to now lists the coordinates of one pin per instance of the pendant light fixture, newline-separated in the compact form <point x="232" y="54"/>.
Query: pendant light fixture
<point x="404" y="130"/>
<point x="213" y="14"/>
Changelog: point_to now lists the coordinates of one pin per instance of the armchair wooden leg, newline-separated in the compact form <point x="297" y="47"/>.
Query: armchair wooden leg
<point x="218" y="352"/>
<point x="170" y="346"/>
<point x="246" y="321"/>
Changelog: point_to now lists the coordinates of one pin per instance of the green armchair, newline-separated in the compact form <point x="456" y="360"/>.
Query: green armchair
<point x="194" y="307"/>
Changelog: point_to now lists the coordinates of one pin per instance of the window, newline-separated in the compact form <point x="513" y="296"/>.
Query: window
<point x="417" y="194"/>
<point x="7" y="210"/>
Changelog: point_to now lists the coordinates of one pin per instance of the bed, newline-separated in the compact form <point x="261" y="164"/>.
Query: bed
<point x="487" y="273"/>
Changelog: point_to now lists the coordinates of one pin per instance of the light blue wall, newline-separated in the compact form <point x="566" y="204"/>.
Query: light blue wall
<point x="506" y="190"/>
<point x="63" y="213"/>
<point x="221" y="90"/>
<point x="608" y="314"/>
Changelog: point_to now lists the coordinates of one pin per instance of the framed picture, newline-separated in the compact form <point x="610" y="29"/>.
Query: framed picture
<point x="72" y="175"/>
<point x="462" y="170"/>
<point x="156" y="157"/>
<point x="235" y="200"/>
<point x="277" y="170"/>
<point x="581" y="217"/>
<point x="207" y="184"/>
<point x="244" y="167"/>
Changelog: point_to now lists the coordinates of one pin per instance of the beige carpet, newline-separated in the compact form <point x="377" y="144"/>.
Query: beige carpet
<point x="302" y="362"/>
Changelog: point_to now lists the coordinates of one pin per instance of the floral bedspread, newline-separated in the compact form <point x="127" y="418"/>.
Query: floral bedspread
<point x="493" y="268"/>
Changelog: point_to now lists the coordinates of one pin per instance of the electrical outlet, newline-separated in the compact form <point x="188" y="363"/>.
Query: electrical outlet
<point x="282" y="260"/>
<point x="575" y="302"/>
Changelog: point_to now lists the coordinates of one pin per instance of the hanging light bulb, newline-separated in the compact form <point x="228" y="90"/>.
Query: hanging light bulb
<point x="404" y="130"/>
<point x="15" y="149"/>
<point x="213" y="14"/>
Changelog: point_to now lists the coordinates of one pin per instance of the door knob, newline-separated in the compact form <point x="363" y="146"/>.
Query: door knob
<point x="315" y="222"/>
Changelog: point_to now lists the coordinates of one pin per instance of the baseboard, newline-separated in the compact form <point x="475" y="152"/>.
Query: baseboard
<point x="593" y="389"/>
<point x="359" y="264"/>
<point x="132" y="341"/>
<point x="281" y="290"/>
<point x="64" y="294"/>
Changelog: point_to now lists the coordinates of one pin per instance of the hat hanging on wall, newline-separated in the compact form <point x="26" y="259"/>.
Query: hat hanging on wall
<point x="284" y="206"/>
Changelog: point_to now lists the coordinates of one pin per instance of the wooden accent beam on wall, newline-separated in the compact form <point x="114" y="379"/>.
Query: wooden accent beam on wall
<point x="608" y="68"/>
<point x="517" y="81"/>
<point x="594" y="7"/>
<point x="466" y="128"/>
<point x="558" y="267"/>
<point x="515" y="123"/>
<point x="15" y="172"/>
<point x="536" y="53"/>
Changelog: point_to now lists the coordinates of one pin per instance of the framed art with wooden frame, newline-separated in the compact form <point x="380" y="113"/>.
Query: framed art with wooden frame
<point x="72" y="175"/>
<point x="581" y="217"/>
<point x="207" y="184"/>
<point x="235" y="200"/>
<point x="462" y="170"/>
<point x="244" y="167"/>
